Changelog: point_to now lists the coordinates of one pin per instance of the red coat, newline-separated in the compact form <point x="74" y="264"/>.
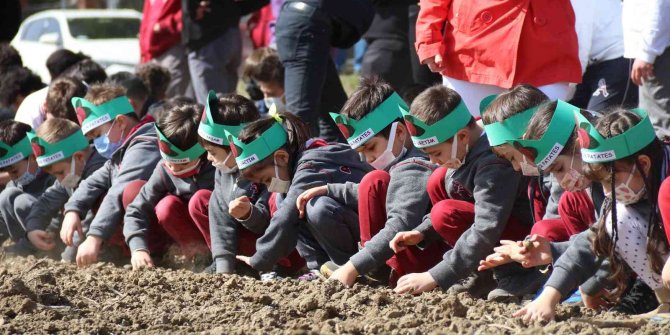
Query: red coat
<point x="168" y="16"/>
<point x="501" y="43"/>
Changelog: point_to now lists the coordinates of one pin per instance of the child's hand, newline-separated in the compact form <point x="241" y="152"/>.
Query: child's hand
<point x="87" y="253"/>
<point x="141" y="259"/>
<point x="597" y="302"/>
<point x="244" y="259"/>
<point x="309" y="195"/>
<point x="415" y="283"/>
<point x="435" y="64"/>
<point x="542" y="309"/>
<point x="529" y="253"/>
<point x="42" y="240"/>
<point x="71" y="224"/>
<point x="404" y="239"/>
<point x="240" y="208"/>
<point x="665" y="275"/>
<point x="346" y="274"/>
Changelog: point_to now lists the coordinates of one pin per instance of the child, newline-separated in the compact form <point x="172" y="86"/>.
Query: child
<point x="479" y="199"/>
<point x="107" y="117"/>
<point x="62" y="151"/>
<point x="27" y="183"/>
<point x="392" y="198"/>
<point x="61" y="91"/>
<point x="263" y="67"/>
<point x="623" y="153"/>
<point x="276" y="152"/>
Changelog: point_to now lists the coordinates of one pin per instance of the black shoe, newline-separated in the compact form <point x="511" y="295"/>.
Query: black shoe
<point x="211" y="269"/>
<point x="22" y="247"/>
<point x="478" y="284"/>
<point x="514" y="286"/>
<point x="637" y="299"/>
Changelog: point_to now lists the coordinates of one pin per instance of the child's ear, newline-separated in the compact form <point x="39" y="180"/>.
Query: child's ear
<point x="645" y="163"/>
<point x="401" y="132"/>
<point x="463" y="135"/>
<point x="281" y="157"/>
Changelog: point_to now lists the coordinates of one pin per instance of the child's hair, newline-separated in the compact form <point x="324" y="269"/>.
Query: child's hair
<point x="410" y="92"/>
<point x="11" y="132"/>
<point x="180" y="125"/>
<point x="369" y="95"/>
<point x="263" y="65"/>
<point x="60" y="60"/>
<point x="133" y="86"/>
<point x="173" y="102"/>
<point x="18" y="81"/>
<point x="435" y="103"/>
<point x="156" y="78"/>
<point x="61" y="91"/>
<point x="57" y="129"/>
<point x="87" y="71"/>
<point x="233" y="109"/>
<point x="512" y="102"/>
<point x="297" y="131"/>
<point x="9" y="57"/>
<point x="98" y="94"/>
<point x="613" y="123"/>
<point x="539" y="124"/>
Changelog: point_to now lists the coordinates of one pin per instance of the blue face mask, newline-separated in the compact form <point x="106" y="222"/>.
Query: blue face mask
<point x="27" y="177"/>
<point x="106" y="148"/>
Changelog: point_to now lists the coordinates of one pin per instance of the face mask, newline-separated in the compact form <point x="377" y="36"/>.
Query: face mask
<point x="223" y="167"/>
<point x="528" y="169"/>
<point x="275" y="101"/>
<point x="27" y="177"/>
<point x="454" y="162"/>
<point x="186" y="173"/>
<point x="387" y="158"/>
<point x="72" y="179"/>
<point x="277" y="185"/>
<point x="625" y="195"/>
<point x="104" y="147"/>
<point x="573" y="181"/>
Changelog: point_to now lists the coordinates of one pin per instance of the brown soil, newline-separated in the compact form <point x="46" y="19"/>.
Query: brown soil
<point x="44" y="296"/>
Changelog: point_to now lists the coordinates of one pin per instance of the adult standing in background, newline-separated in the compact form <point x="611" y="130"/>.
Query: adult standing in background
<point x="484" y="47"/>
<point x="10" y="19"/>
<point x="160" y="42"/>
<point x="212" y="37"/>
<point x="305" y="31"/>
<point x="646" y="32"/>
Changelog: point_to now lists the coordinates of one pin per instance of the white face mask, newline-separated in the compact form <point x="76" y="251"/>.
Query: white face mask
<point x="71" y="180"/>
<point x="277" y="185"/>
<point x="573" y="181"/>
<point x="27" y="177"/>
<point x="528" y="169"/>
<point x="387" y="158"/>
<point x="223" y="167"/>
<point x="277" y="101"/>
<point x="454" y="162"/>
<point x="626" y="195"/>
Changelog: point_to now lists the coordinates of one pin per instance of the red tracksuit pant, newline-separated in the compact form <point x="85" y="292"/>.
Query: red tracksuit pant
<point x="577" y="213"/>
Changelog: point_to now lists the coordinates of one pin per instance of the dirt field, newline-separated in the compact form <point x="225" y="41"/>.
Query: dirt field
<point x="44" y="296"/>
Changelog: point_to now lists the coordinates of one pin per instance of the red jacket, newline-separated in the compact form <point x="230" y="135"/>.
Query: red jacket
<point x="501" y="43"/>
<point x="167" y="13"/>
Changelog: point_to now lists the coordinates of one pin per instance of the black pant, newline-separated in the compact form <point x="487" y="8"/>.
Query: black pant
<point x="311" y="84"/>
<point x="420" y="72"/>
<point x="606" y="84"/>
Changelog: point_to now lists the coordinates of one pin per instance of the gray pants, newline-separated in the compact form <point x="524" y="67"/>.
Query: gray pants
<point x="331" y="234"/>
<point x="175" y="61"/>
<point x="214" y="66"/>
<point x="14" y="209"/>
<point x="655" y="95"/>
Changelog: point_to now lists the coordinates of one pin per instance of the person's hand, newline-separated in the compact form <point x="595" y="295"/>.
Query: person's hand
<point x="240" y="208"/>
<point x="141" y="259"/>
<point x="597" y="302"/>
<point x="665" y="275"/>
<point x="641" y="71"/>
<point x="404" y="239"/>
<point x="71" y="224"/>
<point x="244" y="259"/>
<point x="435" y="64"/>
<point x="203" y="8"/>
<point x="308" y="195"/>
<point x="87" y="253"/>
<point x="415" y="283"/>
<point x="42" y="240"/>
<point x="346" y="274"/>
<point x="542" y="309"/>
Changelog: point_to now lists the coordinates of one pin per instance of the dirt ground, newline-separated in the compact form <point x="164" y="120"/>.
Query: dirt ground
<point x="45" y="296"/>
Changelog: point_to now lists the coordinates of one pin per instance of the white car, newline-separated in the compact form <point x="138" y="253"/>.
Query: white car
<point x="109" y="37"/>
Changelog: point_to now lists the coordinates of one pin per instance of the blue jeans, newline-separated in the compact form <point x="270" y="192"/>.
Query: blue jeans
<point x="311" y="84"/>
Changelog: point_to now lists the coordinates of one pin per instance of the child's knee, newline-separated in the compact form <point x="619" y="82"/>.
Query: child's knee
<point x="169" y="207"/>
<point x="131" y="191"/>
<point x="435" y="184"/>
<point x="375" y="181"/>
<point x="8" y="195"/>
<point x="449" y="214"/>
<point x="199" y="202"/>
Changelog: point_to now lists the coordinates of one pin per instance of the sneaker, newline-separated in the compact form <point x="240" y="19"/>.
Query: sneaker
<point x="513" y="287"/>
<point x="311" y="275"/>
<point x="478" y="284"/>
<point x="270" y="276"/>
<point x="328" y="268"/>
<point x="637" y="299"/>
<point x="210" y="269"/>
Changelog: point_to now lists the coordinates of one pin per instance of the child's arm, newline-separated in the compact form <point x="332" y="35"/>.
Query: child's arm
<point x="89" y="191"/>
<point x="346" y="194"/>
<point x="259" y="217"/>
<point x="42" y="212"/>
<point x="223" y="232"/>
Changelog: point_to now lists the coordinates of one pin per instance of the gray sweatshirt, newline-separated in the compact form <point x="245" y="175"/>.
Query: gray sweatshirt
<point x="332" y="164"/>
<point x="223" y="228"/>
<point x="134" y="160"/>
<point x="141" y="212"/>
<point x="406" y="204"/>
<point x="497" y="191"/>
<point x="54" y="198"/>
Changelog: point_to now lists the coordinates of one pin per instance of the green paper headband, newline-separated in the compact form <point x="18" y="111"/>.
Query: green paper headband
<point x="597" y="149"/>
<point x="11" y="154"/>
<point x="248" y="154"/>
<point x="486" y="102"/>
<point x="174" y="155"/>
<point x="212" y="131"/>
<point x="424" y="135"/>
<point x="509" y="129"/>
<point x="49" y="153"/>
<point x="357" y="132"/>
<point x="91" y="116"/>
<point x="546" y="149"/>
